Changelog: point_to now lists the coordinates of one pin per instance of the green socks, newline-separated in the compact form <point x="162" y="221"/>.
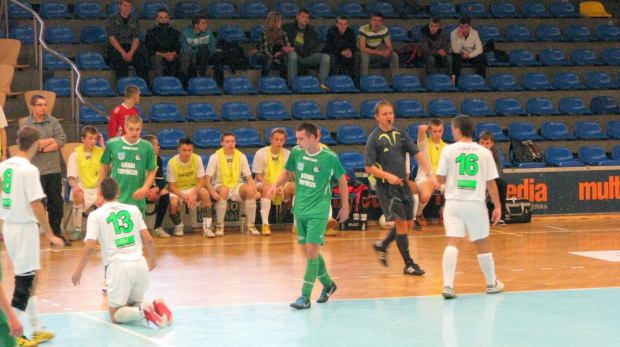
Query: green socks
<point x="326" y="281"/>
<point x="312" y="270"/>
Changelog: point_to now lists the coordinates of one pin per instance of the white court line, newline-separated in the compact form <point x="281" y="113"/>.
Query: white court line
<point x="552" y="227"/>
<point x="119" y="327"/>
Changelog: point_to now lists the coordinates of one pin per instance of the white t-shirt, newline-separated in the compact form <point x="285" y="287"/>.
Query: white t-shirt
<point x="117" y="227"/>
<point x="260" y="159"/>
<point x="200" y="169"/>
<point x="72" y="165"/>
<point x="467" y="167"/>
<point x="213" y="168"/>
<point x="21" y="185"/>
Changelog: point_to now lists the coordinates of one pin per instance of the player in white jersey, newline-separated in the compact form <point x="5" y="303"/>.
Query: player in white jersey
<point x="468" y="171"/>
<point x="22" y="212"/>
<point x="120" y="230"/>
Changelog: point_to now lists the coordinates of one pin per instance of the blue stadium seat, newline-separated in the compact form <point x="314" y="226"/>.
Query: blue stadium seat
<point x="493" y="62"/>
<point x="96" y="86"/>
<point x="561" y="156"/>
<point x="247" y="137"/>
<point x="536" y="81"/>
<point x="201" y="112"/>
<point x="368" y="108"/>
<point x="412" y="131"/>
<point x="604" y="105"/>
<point x="374" y="84"/>
<point x="599" y="80"/>
<point x="254" y="9"/>
<point x="615" y="153"/>
<point x="449" y="29"/>
<point x="523" y="57"/>
<point x="584" y="57"/>
<point x="205" y="159"/>
<point x="473" y="83"/>
<point x="611" y="56"/>
<point x="238" y="86"/>
<point x="474" y="9"/>
<point x="60" y="86"/>
<point x="250" y="158"/>
<point x="534" y="9"/>
<point x="291" y="139"/>
<point x="443" y="10"/>
<point x="553" y="57"/>
<point x="326" y="137"/>
<point x="351" y="9"/>
<point x="165" y="112"/>
<point x="504" y="9"/>
<point x="555" y="131"/>
<point x="440" y="83"/>
<point x="398" y="34"/>
<point x="207" y="138"/>
<point x="133" y="80"/>
<point x="186" y="10"/>
<point x="618" y="78"/>
<point x="115" y="7"/>
<point x="232" y="33"/>
<point x="564" y="10"/>
<point x="476" y="108"/>
<point x="168" y="85"/>
<point x="2" y="36"/>
<point x="341" y="84"/>
<point x="509" y="107"/>
<point x="321" y="33"/>
<point x="549" y="32"/>
<point x="307" y="85"/>
<point x="383" y="7"/>
<point x="90" y="61"/>
<point x="523" y="131"/>
<point x="256" y="33"/>
<point x="16" y="12"/>
<point x="24" y="34"/>
<point x="416" y="33"/>
<point x="93" y="34"/>
<point x="607" y="32"/>
<point x="320" y="9"/>
<point x="50" y="62"/>
<point x="589" y="131"/>
<point x="222" y="9"/>
<point x="307" y="110"/>
<point x="489" y="32"/>
<point x="236" y="111"/>
<point x="442" y="108"/>
<point x="341" y="109"/>
<point x="613" y="129"/>
<point x="88" y="116"/>
<point x="505" y="82"/>
<point x="149" y="9"/>
<point x="287" y="9"/>
<point x="518" y="33"/>
<point x="505" y="163"/>
<point x="165" y="159"/>
<point x="141" y="114"/>
<point x="578" y="33"/>
<point x="272" y="85"/>
<point x="409" y="108"/>
<point x="592" y="155"/>
<point x="203" y="86"/>
<point x="407" y="84"/>
<point x="54" y="10"/>
<point x="169" y="138"/>
<point x="272" y="110"/>
<point x="492" y="127"/>
<point x="58" y="35"/>
<point x="540" y="107"/>
<point x="351" y="160"/>
<point x="448" y="136"/>
<point x="567" y="81"/>
<point x="351" y="135"/>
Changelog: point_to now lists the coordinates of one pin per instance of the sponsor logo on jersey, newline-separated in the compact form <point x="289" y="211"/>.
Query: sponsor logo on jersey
<point x="121" y="155"/>
<point x="138" y="157"/>
<point x="316" y="169"/>
<point x="300" y="166"/>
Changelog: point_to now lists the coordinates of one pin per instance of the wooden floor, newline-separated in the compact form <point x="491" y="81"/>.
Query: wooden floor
<point x="243" y="269"/>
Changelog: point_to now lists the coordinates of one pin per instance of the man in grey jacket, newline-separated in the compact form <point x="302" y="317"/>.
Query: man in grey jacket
<point x="435" y="48"/>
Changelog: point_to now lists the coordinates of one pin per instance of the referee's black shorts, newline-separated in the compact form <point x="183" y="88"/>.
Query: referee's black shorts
<point x="396" y="201"/>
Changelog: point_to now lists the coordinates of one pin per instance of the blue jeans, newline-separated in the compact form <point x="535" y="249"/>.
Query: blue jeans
<point x="315" y="60"/>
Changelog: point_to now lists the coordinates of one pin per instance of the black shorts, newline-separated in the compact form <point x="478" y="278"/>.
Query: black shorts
<point x="396" y="201"/>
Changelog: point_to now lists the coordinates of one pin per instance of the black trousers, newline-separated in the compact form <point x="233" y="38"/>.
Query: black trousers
<point x="161" y="210"/>
<point x="502" y="188"/>
<point x="52" y="187"/>
<point x="479" y="62"/>
<point x="139" y="62"/>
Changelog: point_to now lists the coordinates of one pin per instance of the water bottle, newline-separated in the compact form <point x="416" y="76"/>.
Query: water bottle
<point x="363" y="219"/>
<point x="243" y="224"/>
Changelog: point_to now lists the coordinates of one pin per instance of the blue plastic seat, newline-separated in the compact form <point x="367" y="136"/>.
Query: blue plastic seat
<point x="523" y="57"/>
<point x="555" y="131"/>
<point x="599" y="80"/>
<point x="476" y="108"/>
<point x="509" y="107"/>
<point x="592" y="155"/>
<point x="50" y="62"/>
<point x="254" y="9"/>
<point x="58" y="35"/>
<point x="549" y="32"/>
<point x="536" y="81"/>
<point x="613" y="129"/>
<point x="272" y="110"/>
<point x="54" y="10"/>
<point x="368" y="108"/>
<point x="504" y="9"/>
<point x="24" y="34"/>
<point x="307" y="110"/>
<point x="247" y="137"/>
<point x="2" y="36"/>
<point x="96" y="86"/>
<point x="351" y="160"/>
<point x="606" y="32"/>
<point x="561" y="9"/>
<point x="256" y="33"/>
<point x="341" y="109"/>
<point x="133" y="80"/>
<point x="540" y="107"/>
<point x="448" y="136"/>
<point x="383" y="7"/>
<point x="167" y="86"/>
<point x="589" y="131"/>
<point x="611" y="56"/>
<point x="320" y="9"/>
<point x="489" y="32"/>
<point x="250" y="158"/>
<point x="374" y="84"/>
<point x="232" y="33"/>
<point x="474" y="9"/>
<point x="321" y="33"/>
<point x="16" y="12"/>
<point x="238" y="86"/>
<point x="407" y="84"/>
<point x="351" y="9"/>
<point x="584" y="57"/>
<point x="505" y="82"/>
<point x="534" y="9"/>
<point x="149" y="9"/>
<point x="207" y="138"/>
<point x="60" y="86"/>
<point x="604" y="105"/>
<point x="201" y="112"/>
<point x="222" y="10"/>
<point x="442" y="108"/>
<point x="236" y="111"/>
<point x="416" y="33"/>
<point x="398" y="34"/>
<point x="561" y="156"/>
<point x="291" y="139"/>
<point x="494" y="128"/>
<point x="90" y="61"/>
<point x="518" y="33"/>
<point x="567" y="81"/>
<point x="440" y="83"/>
<point x="443" y="10"/>
<point x="341" y="84"/>
<point x="115" y="8"/>
<point x="272" y="85"/>
<point x="165" y="112"/>
<point x="473" y="83"/>
<point x="88" y="116"/>
<point x="203" y="86"/>
<point x="307" y="85"/>
<point x="615" y="153"/>
<point x="578" y="33"/>
<point x="412" y="131"/>
<point x="186" y="10"/>
<point x="553" y="57"/>
<point x="169" y="138"/>
<point x="351" y="135"/>
<point x="449" y="29"/>
<point x="142" y="116"/>
<point x="523" y="131"/>
<point x="409" y="108"/>
<point x="326" y="137"/>
<point x="93" y="34"/>
<point x="287" y="9"/>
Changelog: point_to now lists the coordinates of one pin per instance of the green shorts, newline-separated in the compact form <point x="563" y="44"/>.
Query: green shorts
<point x="311" y="230"/>
<point x="5" y="338"/>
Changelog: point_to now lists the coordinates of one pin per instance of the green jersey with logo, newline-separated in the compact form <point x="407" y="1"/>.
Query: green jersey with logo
<point x="130" y="166"/>
<point x="313" y="174"/>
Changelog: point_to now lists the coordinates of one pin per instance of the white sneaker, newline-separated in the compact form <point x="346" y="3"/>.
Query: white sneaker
<point x="208" y="232"/>
<point x="160" y="232"/>
<point x="178" y="230"/>
<point x="219" y="231"/>
<point x="448" y="293"/>
<point x="498" y="287"/>
<point x="253" y="231"/>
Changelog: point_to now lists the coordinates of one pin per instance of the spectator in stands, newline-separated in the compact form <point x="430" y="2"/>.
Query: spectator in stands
<point x="116" y="124"/>
<point x="158" y="193"/>
<point x="274" y="45"/>
<point x="197" y="48"/>
<point x="47" y="160"/>
<point x="125" y="48"/>
<point x="163" y="46"/>
<point x="341" y="45"/>
<point x="467" y="48"/>
<point x="435" y="48"/>
<point x="306" y="48"/>
<point x="376" y="46"/>
<point x="487" y="140"/>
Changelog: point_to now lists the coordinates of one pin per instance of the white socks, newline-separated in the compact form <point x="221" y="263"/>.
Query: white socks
<point x="77" y="217"/>
<point x="220" y="211"/>
<point x="416" y="202"/>
<point x="487" y="264"/>
<point x="32" y="310"/>
<point x="265" y="207"/>
<point x="250" y="210"/>
<point x="421" y="207"/>
<point x="128" y="314"/>
<point x="449" y="265"/>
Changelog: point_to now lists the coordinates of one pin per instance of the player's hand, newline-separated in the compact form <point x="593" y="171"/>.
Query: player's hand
<point x="216" y="196"/>
<point x="393" y="179"/>
<point x="139" y="194"/>
<point x="496" y="215"/>
<point x="272" y="191"/>
<point x="16" y="327"/>
<point x="434" y="183"/>
<point x="191" y="201"/>
<point x="99" y="200"/>
<point x="57" y="241"/>
<point x="76" y="278"/>
<point x="343" y="214"/>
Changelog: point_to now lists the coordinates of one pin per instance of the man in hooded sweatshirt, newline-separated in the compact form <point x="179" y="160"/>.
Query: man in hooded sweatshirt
<point x="163" y="45"/>
<point x="197" y="48"/>
<point x="435" y="48"/>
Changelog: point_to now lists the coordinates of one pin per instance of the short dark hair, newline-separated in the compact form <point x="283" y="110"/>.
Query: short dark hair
<point x="227" y="133"/>
<point x="435" y="19"/>
<point x="26" y="137"/>
<point x="435" y="122"/>
<point x="486" y="135"/>
<point x="109" y="188"/>
<point x="303" y="10"/>
<point x="277" y="131"/>
<point x="465" y="20"/>
<point x="131" y="90"/>
<point x="377" y="14"/>
<point x="197" y="18"/>
<point x="342" y="17"/>
<point x="88" y="129"/>
<point x="150" y="138"/>
<point x="381" y="104"/>
<point x="133" y="119"/>
<point x="34" y="98"/>
<point x="465" y="124"/>
<point x="185" y="141"/>
<point x="162" y="10"/>
<point x="309" y="128"/>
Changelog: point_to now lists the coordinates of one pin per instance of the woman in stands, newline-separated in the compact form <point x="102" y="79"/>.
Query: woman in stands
<point x="273" y="43"/>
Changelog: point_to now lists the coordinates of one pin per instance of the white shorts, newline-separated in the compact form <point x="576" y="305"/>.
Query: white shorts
<point x="23" y="245"/>
<point x="90" y="197"/>
<point x="127" y="282"/>
<point x="233" y="193"/>
<point x="185" y="191"/>
<point x="460" y="215"/>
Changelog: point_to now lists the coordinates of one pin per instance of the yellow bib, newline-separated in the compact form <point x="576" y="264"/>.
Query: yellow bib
<point x="230" y="178"/>
<point x="433" y="153"/>
<point x="185" y="177"/>
<point x="89" y="169"/>
<point x="274" y="168"/>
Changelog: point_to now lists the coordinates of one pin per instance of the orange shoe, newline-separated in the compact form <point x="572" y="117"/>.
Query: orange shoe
<point x="421" y="220"/>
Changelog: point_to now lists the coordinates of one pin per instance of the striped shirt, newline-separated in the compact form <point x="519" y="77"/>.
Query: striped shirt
<point x="373" y="39"/>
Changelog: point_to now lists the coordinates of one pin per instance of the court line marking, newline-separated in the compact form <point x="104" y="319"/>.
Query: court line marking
<point x="552" y="227"/>
<point x="505" y="233"/>
<point x="158" y="342"/>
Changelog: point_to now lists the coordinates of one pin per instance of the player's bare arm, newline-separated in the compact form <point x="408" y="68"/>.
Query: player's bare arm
<point x="147" y="240"/>
<point x="422" y="158"/>
<point x="378" y="173"/>
<point x="41" y="214"/>
<point x="343" y="214"/>
<point x="209" y="187"/>
<point x="150" y="179"/>
<point x="87" y="251"/>
<point x="284" y="177"/>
